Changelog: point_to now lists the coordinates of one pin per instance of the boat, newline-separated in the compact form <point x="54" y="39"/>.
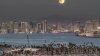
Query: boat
<point x="81" y="34"/>
<point x="89" y="34"/>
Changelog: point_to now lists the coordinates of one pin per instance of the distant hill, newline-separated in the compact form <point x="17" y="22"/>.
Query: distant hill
<point x="51" y="19"/>
<point x="63" y="19"/>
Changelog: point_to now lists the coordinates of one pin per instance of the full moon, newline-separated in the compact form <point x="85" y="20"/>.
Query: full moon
<point x="61" y="1"/>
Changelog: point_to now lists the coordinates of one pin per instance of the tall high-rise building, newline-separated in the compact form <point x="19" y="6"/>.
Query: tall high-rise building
<point x="39" y="28"/>
<point x="45" y="27"/>
<point x="95" y="24"/>
<point x="70" y="27"/>
<point x="24" y="27"/>
<point x="54" y="27"/>
<point x="98" y="28"/>
<point x="42" y="27"/>
<point x="11" y="27"/>
<point x="91" y="26"/>
<point x="3" y="29"/>
<point x="76" y="26"/>
<point x="16" y="27"/>
<point x="88" y="27"/>
<point x="59" y="27"/>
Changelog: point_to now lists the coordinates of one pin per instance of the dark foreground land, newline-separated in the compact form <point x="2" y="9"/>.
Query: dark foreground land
<point x="52" y="49"/>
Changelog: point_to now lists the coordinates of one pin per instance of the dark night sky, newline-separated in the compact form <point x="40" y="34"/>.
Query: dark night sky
<point x="44" y="8"/>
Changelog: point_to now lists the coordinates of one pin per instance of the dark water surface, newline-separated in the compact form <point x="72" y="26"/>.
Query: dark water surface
<point x="39" y="39"/>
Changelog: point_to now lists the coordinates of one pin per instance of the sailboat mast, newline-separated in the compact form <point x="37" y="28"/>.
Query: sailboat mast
<point x="28" y="41"/>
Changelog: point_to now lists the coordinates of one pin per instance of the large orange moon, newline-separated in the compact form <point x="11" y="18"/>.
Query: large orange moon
<point x="61" y="1"/>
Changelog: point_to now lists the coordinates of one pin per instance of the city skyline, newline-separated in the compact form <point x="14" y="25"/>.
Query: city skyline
<point x="25" y="27"/>
<point x="49" y="27"/>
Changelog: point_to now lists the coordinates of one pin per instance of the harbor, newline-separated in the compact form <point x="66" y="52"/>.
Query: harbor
<point x="61" y="44"/>
<point x="39" y="39"/>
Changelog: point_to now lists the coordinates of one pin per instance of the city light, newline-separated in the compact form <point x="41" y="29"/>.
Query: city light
<point x="99" y="28"/>
<point x="24" y="27"/>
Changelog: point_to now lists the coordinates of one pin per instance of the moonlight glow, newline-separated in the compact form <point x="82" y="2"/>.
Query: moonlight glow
<point x="61" y="1"/>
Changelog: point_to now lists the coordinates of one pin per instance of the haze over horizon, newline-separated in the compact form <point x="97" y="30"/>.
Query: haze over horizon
<point x="49" y="9"/>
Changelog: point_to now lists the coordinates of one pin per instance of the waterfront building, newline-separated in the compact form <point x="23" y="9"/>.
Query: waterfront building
<point x="98" y="28"/>
<point x="95" y="24"/>
<point x="16" y="27"/>
<point x="3" y="29"/>
<point x="45" y="26"/>
<point x="24" y="27"/>
<point x="11" y="27"/>
<point x="42" y="27"/>
<point x="39" y="28"/>
<point x="88" y="26"/>
<point x="71" y="28"/>
<point x="76" y="26"/>
<point x="59" y="27"/>
<point x="56" y="28"/>
<point x="91" y="26"/>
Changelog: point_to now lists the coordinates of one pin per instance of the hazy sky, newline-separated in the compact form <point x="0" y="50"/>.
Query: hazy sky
<point x="42" y="8"/>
